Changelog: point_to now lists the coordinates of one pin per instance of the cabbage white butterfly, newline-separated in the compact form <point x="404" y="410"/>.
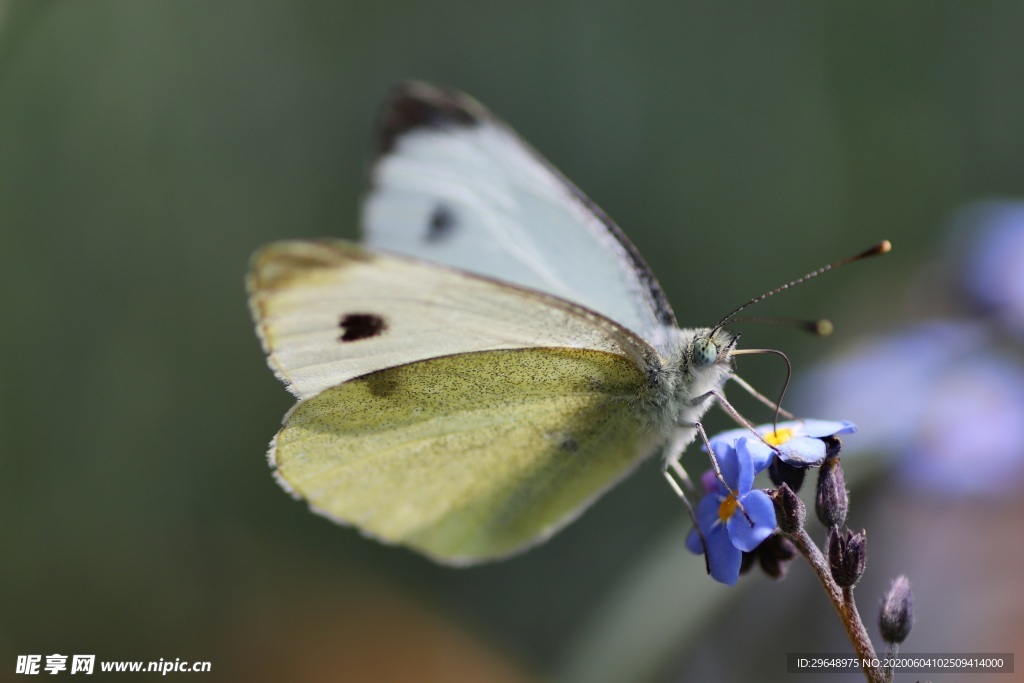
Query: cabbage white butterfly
<point x="494" y="358"/>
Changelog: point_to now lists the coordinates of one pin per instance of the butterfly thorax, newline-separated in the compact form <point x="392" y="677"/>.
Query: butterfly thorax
<point x="698" y="361"/>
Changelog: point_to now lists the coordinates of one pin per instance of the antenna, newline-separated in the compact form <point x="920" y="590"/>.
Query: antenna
<point x="822" y="327"/>
<point x="882" y="247"/>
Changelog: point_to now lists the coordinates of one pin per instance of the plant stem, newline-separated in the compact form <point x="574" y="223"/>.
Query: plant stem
<point x="842" y="600"/>
<point x="890" y="654"/>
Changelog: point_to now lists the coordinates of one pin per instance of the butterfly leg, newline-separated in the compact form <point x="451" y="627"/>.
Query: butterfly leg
<point x="718" y="396"/>
<point x="735" y="415"/>
<point x="761" y="397"/>
<point x="718" y="470"/>
<point x="671" y="467"/>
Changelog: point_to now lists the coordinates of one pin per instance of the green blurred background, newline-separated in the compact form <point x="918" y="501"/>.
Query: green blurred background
<point x="147" y="147"/>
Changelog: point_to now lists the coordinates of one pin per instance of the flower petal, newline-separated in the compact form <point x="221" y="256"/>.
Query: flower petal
<point x="803" y="451"/>
<point x="709" y="482"/>
<point x="820" y="428"/>
<point x="729" y="437"/>
<point x="757" y="451"/>
<point x="992" y="235"/>
<point x="728" y="462"/>
<point x="742" y="534"/>
<point x="706" y="512"/>
<point x="723" y="557"/>
<point x="693" y="543"/>
<point x="802" y="448"/>
<point x="757" y="457"/>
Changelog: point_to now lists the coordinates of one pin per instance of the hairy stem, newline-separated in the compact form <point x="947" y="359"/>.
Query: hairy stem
<point x="890" y="654"/>
<point x="842" y="600"/>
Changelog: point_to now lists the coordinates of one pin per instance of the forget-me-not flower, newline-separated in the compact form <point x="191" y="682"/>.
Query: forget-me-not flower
<point x="988" y="244"/>
<point x="734" y="519"/>
<point x="799" y="442"/>
<point x="940" y="396"/>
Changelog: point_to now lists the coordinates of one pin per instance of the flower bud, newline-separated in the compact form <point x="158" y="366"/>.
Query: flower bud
<point x="776" y="554"/>
<point x="897" y="613"/>
<point x="747" y="560"/>
<point x="831" y="501"/>
<point x="781" y="472"/>
<point x="847" y="556"/>
<point x="789" y="509"/>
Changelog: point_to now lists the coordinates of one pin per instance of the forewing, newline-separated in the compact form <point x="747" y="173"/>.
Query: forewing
<point x="330" y="311"/>
<point x="468" y="457"/>
<point x="453" y="184"/>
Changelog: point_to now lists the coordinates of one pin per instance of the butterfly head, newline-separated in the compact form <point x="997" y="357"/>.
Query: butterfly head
<point x="709" y="347"/>
<point x="706" y="355"/>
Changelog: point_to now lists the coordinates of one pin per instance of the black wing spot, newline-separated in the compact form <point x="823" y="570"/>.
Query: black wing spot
<point x="569" y="445"/>
<point x="442" y="223"/>
<point x="358" y="326"/>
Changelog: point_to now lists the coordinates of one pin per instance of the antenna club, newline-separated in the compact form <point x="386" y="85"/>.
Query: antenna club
<point x="883" y="247"/>
<point x="824" y="327"/>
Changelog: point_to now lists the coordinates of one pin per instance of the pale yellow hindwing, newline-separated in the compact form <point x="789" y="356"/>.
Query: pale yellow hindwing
<point x="467" y="457"/>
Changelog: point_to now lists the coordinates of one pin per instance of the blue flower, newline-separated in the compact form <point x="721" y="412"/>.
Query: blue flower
<point x="940" y="397"/>
<point x="970" y="438"/>
<point x="727" y="531"/>
<point x="988" y="240"/>
<point x="799" y="442"/>
<point x="883" y="383"/>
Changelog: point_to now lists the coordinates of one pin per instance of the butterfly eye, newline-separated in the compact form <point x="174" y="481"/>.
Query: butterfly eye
<point x="704" y="352"/>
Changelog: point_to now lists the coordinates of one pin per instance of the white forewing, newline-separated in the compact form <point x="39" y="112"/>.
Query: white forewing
<point x="330" y="311"/>
<point x="454" y="185"/>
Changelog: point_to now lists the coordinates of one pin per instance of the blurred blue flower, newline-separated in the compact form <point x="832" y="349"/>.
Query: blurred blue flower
<point x="989" y="239"/>
<point x="970" y="437"/>
<point x="940" y="397"/>
<point x="727" y="531"/>
<point x="799" y="442"/>
<point x="879" y="383"/>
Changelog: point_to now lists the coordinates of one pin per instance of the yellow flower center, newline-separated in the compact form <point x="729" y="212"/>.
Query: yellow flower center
<point x="777" y="438"/>
<point x="728" y="508"/>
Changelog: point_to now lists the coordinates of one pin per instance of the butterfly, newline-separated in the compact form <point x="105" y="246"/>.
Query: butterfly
<point x="493" y="357"/>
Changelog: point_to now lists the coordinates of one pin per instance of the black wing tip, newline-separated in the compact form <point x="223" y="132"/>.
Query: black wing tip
<point x="417" y="104"/>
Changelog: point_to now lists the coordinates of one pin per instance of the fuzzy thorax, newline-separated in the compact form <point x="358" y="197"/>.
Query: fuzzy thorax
<point x="697" y="361"/>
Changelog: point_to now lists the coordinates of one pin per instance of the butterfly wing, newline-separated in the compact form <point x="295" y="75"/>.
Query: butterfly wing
<point x="467" y="457"/>
<point x="330" y="311"/>
<point x="453" y="184"/>
<point x="458" y="415"/>
<point x="467" y="416"/>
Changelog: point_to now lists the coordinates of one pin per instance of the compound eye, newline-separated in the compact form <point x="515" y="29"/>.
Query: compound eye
<point x="705" y="352"/>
